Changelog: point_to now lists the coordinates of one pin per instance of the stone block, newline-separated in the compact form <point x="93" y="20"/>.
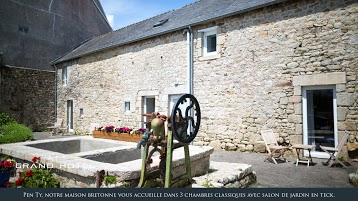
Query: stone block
<point x="353" y="178"/>
<point x="230" y="147"/>
<point x="298" y="108"/>
<point x="295" y="99"/>
<point x="293" y="118"/>
<point x="284" y="101"/>
<point x="351" y="125"/>
<point x="340" y="87"/>
<point x="260" y="120"/>
<point x="342" y="113"/>
<point x="199" y="143"/>
<point x="292" y="65"/>
<point x="296" y="139"/>
<point x="297" y="91"/>
<point x="260" y="146"/>
<point x="249" y="147"/>
<point x="346" y="99"/>
<point x="299" y="129"/>
<point x="326" y="62"/>
<point x="236" y="141"/>
<point x="215" y="144"/>
<point x="341" y="126"/>
<point x="221" y="39"/>
<point x="241" y="147"/>
<point x="334" y="67"/>
<point x="319" y="79"/>
<point x="227" y="140"/>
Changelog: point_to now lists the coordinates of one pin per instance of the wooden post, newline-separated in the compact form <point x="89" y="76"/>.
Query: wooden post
<point x="99" y="178"/>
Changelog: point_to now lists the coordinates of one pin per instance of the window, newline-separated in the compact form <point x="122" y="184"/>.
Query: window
<point x="209" y="40"/>
<point x="81" y="113"/>
<point x="127" y="107"/>
<point x="64" y="76"/>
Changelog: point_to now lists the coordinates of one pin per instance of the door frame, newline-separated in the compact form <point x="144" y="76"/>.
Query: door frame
<point x="145" y="107"/>
<point x="305" y="117"/>
<point x="172" y="104"/>
<point x="70" y="116"/>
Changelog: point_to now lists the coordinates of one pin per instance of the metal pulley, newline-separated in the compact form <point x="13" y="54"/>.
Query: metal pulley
<point x="185" y="118"/>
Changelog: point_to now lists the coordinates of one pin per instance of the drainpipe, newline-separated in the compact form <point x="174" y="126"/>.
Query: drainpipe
<point x="189" y="38"/>
<point x="56" y="71"/>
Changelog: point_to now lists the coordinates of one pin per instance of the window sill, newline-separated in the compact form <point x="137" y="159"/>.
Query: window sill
<point x="209" y="57"/>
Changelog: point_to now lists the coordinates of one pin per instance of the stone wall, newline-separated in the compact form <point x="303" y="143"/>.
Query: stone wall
<point x="265" y="59"/>
<point x="101" y="83"/>
<point x="264" y="55"/>
<point x="28" y="96"/>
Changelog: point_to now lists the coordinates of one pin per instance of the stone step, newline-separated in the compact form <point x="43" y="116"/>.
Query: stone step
<point x="222" y="175"/>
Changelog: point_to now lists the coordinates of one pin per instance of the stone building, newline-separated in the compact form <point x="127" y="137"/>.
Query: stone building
<point x="286" y="65"/>
<point x="32" y="34"/>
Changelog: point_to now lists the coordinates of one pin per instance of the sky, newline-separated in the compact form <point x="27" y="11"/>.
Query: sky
<point x="121" y="13"/>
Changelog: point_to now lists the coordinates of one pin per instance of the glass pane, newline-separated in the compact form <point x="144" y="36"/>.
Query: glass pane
<point x="320" y="120"/>
<point x="127" y="106"/>
<point x="211" y="43"/>
<point x="64" y="75"/>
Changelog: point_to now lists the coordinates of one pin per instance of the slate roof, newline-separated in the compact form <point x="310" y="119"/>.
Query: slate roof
<point x="189" y="15"/>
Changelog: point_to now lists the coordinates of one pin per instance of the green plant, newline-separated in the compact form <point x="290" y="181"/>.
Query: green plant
<point x="341" y="158"/>
<point x="37" y="177"/>
<point x="207" y="183"/>
<point x="126" y="183"/>
<point x="14" y="132"/>
<point x="109" y="179"/>
<point x="5" y="119"/>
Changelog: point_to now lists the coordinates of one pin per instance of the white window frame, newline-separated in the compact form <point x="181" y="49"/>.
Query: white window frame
<point x="81" y="112"/>
<point x="127" y="112"/>
<point x="207" y="32"/>
<point x="64" y="76"/>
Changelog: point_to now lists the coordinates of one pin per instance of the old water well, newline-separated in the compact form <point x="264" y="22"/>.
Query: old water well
<point x="81" y="157"/>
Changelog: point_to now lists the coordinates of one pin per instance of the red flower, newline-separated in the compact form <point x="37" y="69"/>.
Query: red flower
<point x="19" y="181"/>
<point x="29" y="173"/>
<point x="35" y="159"/>
<point x="8" y="164"/>
<point x="6" y="183"/>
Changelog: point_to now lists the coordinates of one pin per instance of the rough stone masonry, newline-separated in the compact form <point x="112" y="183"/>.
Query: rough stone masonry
<point x="265" y="58"/>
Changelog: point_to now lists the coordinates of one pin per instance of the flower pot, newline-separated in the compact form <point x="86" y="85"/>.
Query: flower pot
<point x="117" y="136"/>
<point x="4" y="177"/>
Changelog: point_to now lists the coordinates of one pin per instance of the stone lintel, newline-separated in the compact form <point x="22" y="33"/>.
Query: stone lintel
<point x="148" y="93"/>
<point x="319" y="79"/>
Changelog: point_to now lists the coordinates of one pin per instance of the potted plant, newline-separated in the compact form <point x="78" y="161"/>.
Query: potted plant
<point x="5" y="170"/>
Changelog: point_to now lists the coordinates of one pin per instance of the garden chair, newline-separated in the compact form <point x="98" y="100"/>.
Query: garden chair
<point x="274" y="150"/>
<point x="334" y="151"/>
<point x="57" y="127"/>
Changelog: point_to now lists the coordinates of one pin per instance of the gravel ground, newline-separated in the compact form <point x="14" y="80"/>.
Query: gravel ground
<point x="288" y="175"/>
